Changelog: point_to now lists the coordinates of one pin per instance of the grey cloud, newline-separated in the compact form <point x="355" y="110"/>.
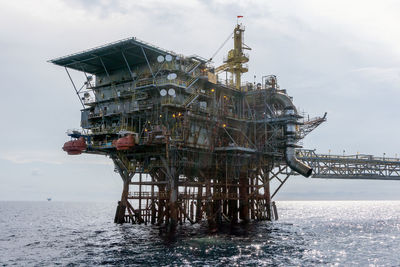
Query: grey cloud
<point x="324" y="64"/>
<point x="35" y="172"/>
<point x="102" y="9"/>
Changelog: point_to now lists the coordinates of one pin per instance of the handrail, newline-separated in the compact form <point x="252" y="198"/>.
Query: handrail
<point x="303" y="153"/>
<point x="114" y="43"/>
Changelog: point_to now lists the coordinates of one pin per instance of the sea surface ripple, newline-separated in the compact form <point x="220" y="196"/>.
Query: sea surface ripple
<point x="326" y="233"/>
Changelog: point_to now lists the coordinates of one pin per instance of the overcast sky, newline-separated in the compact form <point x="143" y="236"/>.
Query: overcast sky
<point x="340" y="57"/>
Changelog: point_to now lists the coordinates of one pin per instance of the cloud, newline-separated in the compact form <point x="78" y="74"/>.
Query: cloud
<point x="52" y="157"/>
<point x="380" y="74"/>
<point x="23" y="157"/>
<point x="35" y="172"/>
<point x="338" y="56"/>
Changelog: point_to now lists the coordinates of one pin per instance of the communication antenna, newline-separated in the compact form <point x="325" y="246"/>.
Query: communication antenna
<point x="171" y="92"/>
<point x="172" y="76"/>
<point x="168" y="58"/>
<point x="160" y="59"/>
<point x="163" y="92"/>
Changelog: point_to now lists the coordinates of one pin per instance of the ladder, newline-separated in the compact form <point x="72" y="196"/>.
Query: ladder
<point x="190" y="99"/>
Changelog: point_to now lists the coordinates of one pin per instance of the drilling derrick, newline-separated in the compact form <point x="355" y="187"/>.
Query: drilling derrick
<point x="188" y="145"/>
<point x="233" y="63"/>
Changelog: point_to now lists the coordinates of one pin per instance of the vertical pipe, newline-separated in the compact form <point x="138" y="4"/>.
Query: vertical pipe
<point x="191" y="209"/>
<point x="224" y="200"/>
<point x="209" y="206"/>
<point x="275" y="210"/>
<point x="217" y="201"/>
<point x="243" y="199"/>
<point x="252" y="197"/>
<point x="173" y="208"/>
<point x="161" y="193"/>
<point x="185" y="206"/>
<point x="140" y="192"/>
<point x="226" y="191"/>
<point x="267" y="195"/>
<point x="153" y="205"/>
<point x="199" y="214"/>
<point x="256" y="206"/>
<point x="232" y="203"/>
<point x="146" y="209"/>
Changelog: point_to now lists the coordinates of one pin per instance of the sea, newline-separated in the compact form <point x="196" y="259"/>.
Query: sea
<point x="308" y="233"/>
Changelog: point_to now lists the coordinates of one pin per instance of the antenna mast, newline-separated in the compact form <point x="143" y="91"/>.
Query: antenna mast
<point x="233" y="63"/>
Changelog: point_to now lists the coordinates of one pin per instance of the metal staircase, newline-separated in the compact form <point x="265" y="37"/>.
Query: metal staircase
<point x="190" y="99"/>
<point x="309" y="125"/>
<point x="194" y="67"/>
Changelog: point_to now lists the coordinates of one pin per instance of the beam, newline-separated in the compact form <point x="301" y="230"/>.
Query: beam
<point x="349" y="177"/>
<point x="73" y="84"/>
<point x="148" y="63"/>
<point x="127" y="64"/>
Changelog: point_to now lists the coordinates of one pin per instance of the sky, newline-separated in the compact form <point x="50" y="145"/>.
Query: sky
<point x="340" y="57"/>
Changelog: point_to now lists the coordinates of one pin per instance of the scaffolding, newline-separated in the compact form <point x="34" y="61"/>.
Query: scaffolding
<point x="189" y="147"/>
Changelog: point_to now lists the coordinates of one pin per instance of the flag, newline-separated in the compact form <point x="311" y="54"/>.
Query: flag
<point x="239" y="17"/>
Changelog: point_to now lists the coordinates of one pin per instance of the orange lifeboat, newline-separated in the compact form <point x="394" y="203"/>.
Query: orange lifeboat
<point x="75" y="147"/>
<point x="125" y="143"/>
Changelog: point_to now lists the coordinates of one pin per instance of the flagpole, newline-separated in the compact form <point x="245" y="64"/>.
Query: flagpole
<point x="237" y="19"/>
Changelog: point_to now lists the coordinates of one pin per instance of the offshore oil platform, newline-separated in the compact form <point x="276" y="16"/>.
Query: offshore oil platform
<point x="192" y="141"/>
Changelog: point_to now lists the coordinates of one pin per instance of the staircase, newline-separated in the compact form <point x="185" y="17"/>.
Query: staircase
<point x="192" y="81"/>
<point x="193" y="67"/>
<point x="190" y="100"/>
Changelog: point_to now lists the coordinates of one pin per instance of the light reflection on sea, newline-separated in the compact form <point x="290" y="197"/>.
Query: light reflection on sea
<point x="308" y="233"/>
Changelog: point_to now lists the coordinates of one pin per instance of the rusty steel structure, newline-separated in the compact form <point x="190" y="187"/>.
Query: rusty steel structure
<point x="192" y="141"/>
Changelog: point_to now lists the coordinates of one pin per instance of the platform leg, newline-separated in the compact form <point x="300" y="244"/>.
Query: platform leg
<point x="173" y="205"/>
<point x="121" y="208"/>
<point x="276" y="217"/>
<point x="199" y="213"/>
<point x="243" y="196"/>
<point x="233" y="206"/>
<point x="267" y="195"/>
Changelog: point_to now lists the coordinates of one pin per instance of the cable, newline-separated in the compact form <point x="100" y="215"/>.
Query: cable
<point x="223" y="44"/>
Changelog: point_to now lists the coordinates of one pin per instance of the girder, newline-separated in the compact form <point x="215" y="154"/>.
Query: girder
<point x="189" y="145"/>
<point x="358" y="166"/>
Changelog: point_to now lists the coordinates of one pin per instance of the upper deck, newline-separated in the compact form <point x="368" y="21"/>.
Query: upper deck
<point x="114" y="56"/>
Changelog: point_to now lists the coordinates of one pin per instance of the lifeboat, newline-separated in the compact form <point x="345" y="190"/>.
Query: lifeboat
<point x="125" y="143"/>
<point x="75" y="147"/>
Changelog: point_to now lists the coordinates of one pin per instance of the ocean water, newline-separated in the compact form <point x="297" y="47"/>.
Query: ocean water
<point x="343" y="233"/>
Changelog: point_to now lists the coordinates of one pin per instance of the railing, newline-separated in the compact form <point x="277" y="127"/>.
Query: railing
<point x="134" y="39"/>
<point x="198" y="57"/>
<point x="144" y="83"/>
<point x="225" y="58"/>
<point x="148" y="195"/>
<point x="102" y="145"/>
<point x="74" y="131"/>
<point x="181" y="195"/>
<point x="89" y="100"/>
<point x="358" y="166"/>
<point x="310" y="154"/>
